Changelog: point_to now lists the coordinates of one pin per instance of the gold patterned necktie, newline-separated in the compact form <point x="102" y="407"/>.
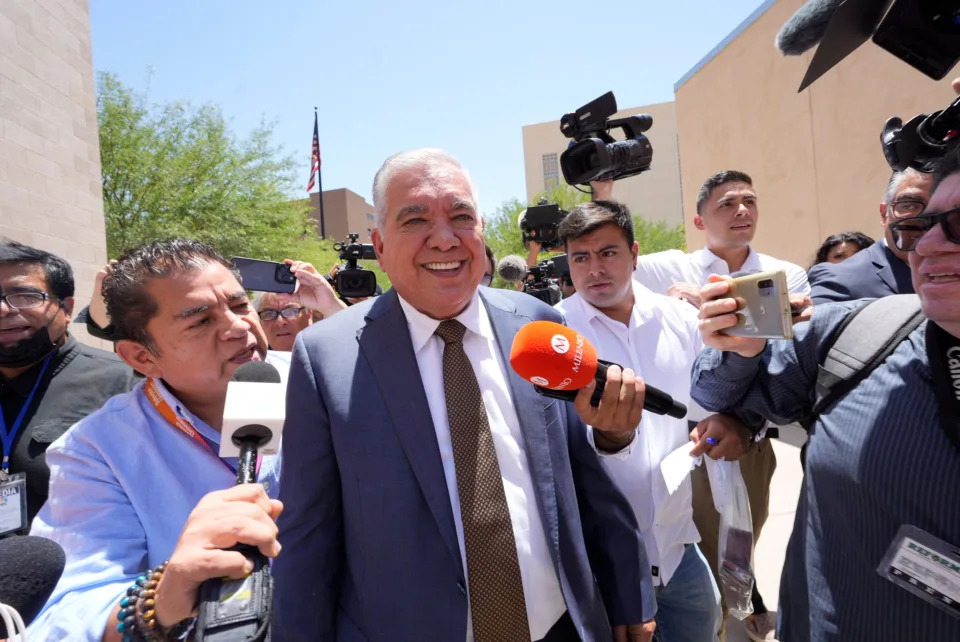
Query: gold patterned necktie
<point x="496" y="591"/>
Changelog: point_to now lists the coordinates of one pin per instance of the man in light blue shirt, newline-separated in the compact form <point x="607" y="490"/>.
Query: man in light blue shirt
<point x="139" y="481"/>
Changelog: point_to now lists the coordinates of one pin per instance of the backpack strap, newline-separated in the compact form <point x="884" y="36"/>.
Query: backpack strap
<point x="867" y="336"/>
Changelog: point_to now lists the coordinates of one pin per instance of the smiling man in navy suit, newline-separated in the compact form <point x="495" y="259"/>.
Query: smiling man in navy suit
<point x="430" y="493"/>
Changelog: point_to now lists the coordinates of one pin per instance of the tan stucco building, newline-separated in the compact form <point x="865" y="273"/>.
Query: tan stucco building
<point x="815" y="156"/>
<point x="50" y="194"/>
<point x="653" y="195"/>
<point x="344" y="212"/>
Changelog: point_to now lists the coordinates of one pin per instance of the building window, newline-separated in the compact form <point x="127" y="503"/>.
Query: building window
<point x="551" y="172"/>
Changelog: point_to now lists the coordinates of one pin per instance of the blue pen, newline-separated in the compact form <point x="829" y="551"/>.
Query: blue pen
<point x="712" y="441"/>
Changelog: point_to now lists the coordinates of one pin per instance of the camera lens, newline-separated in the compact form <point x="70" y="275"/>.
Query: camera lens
<point x="766" y="283"/>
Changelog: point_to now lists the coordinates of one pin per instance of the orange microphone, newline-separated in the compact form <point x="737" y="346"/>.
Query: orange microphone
<point x="558" y="361"/>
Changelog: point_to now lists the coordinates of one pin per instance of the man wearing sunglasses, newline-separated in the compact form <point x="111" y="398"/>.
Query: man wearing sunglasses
<point x="48" y="381"/>
<point x="883" y="462"/>
<point x="880" y="270"/>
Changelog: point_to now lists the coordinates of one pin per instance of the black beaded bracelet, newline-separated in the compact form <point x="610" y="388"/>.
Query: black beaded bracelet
<point x="137" y="615"/>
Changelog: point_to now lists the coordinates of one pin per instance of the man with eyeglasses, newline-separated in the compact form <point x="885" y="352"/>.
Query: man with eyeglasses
<point x="881" y="269"/>
<point x="48" y="381"/>
<point x="883" y="464"/>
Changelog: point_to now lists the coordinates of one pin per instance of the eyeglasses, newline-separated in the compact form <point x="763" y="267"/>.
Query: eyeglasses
<point x="25" y="300"/>
<point x="486" y="280"/>
<point x="270" y="314"/>
<point x="908" y="232"/>
<point x="908" y="207"/>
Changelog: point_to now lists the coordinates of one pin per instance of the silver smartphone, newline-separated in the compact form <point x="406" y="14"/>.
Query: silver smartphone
<point x="763" y="306"/>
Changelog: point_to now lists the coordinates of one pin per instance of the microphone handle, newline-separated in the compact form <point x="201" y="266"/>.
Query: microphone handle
<point x="655" y="400"/>
<point x="247" y="464"/>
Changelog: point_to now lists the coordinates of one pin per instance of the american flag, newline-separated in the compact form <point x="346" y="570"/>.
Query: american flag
<point x="315" y="161"/>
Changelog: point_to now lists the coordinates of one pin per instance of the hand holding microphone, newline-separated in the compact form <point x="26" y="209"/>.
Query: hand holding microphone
<point x="560" y="361"/>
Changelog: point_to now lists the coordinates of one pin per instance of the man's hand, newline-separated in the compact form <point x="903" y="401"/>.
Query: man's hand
<point x="634" y="632"/>
<point x="313" y="290"/>
<point x="721" y="437"/>
<point x="224" y="518"/>
<point x="686" y="292"/>
<point x="718" y="312"/>
<point x="533" y="253"/>
<point x="98" y="307"/>
<point x="618" y="415"/>
<point x="602" y="190"/>
<point x="803" y="306"/>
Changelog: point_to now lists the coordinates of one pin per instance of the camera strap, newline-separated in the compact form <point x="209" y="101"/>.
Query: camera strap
<point x="943" y="350"/>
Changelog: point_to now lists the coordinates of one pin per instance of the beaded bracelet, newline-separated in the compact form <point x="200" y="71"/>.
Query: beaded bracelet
<point x="137" y="616"/>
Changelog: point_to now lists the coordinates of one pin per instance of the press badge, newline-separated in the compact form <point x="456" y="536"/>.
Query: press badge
<point x="926" y="566"/>
<point x="13" y="503"/>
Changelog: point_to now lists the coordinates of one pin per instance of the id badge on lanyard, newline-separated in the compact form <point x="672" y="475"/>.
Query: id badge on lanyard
<point x="926" y="566"/>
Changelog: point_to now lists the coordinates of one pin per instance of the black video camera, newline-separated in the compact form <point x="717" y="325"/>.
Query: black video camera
<point x="594" y="155"/>
<point x="353" y="282"/>
<point x="543" y="279"/>
<point x="921" y="141"/>
<point x="540" y="223"/>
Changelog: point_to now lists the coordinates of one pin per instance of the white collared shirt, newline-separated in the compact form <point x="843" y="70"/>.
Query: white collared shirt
<point x="541" y="588"/>
<point x="660" y="270"/>
<point x="660" y="344"/>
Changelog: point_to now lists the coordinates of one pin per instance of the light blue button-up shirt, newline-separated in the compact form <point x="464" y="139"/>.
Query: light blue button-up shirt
<point x="122" y="483"/>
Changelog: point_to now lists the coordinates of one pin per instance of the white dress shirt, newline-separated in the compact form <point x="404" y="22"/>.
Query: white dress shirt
<point x="541" y="588"/>
<point x="660" y="344"/>
<point x="660" y="270"/>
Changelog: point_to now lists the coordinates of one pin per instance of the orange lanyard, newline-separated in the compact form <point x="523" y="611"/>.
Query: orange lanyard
<point x="154" y="396"/>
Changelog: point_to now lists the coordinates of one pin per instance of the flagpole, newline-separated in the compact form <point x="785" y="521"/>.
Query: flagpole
<point x="323" y="225"/>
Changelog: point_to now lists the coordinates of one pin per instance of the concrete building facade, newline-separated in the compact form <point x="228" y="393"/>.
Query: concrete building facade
<point x="50" y="192"/>
<point x="653" y="195"/>
<point x="344" y="212"/>
<point x="815" y="156"/>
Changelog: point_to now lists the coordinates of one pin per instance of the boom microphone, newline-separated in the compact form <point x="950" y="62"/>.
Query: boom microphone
<point x="807" y="27"/>
<point x="30" y="568"/>
<point x="560" y="361"/>
<point x="512" y="268"/>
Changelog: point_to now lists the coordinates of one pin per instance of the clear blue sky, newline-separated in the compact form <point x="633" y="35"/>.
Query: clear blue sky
<point x="389" y="76"/>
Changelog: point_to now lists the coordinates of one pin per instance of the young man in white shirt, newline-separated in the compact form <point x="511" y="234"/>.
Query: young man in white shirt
<point x="727" y="214"/>
<point x="656" y="336"/>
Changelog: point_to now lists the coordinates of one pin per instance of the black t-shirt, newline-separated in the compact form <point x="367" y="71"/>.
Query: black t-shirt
<point x="77" y="382"/>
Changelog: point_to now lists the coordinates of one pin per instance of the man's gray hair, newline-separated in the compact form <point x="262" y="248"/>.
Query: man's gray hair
<point x="427" y="160"/>
<point x="893" y="185"/>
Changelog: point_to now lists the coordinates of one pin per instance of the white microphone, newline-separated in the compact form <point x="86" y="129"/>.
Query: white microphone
<point x="253" y="416"/>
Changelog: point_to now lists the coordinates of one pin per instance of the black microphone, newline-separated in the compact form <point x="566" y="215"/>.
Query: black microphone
<point x="30" y="568"/>
<point x="512" y="268"/>
<point x="252" y="420"/>
<point x="806" y="27"/>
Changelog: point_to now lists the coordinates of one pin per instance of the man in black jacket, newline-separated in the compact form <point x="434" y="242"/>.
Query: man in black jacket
<point x="48" y="381"/>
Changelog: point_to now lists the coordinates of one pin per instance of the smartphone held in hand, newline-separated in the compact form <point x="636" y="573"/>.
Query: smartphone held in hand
<point x="763" y="306"/>
<point x="265" y="276"/>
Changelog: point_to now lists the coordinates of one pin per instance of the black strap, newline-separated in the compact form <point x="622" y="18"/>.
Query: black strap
<point x="943" y="350"/>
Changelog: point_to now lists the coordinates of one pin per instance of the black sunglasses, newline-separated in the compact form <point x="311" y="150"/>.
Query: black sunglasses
<point x="908" y="232"/>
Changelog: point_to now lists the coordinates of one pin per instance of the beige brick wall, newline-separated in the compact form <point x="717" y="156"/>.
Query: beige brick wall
<point x="50" y="194"/>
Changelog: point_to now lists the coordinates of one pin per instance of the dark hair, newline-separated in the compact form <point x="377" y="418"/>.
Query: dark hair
<point x="861" y="240"/>
<point x="491" y="257"/>
<point x="715" y="181"/>
<point x="58" y="273"/>
<point x="947" y="165"/>
<point x="587" y="217"/>
<point x="129" y="305"/>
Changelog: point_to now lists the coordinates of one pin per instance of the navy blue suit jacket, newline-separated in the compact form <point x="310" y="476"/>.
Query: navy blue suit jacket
<point x="869" y="274"/>
<point x="370" y="548"/>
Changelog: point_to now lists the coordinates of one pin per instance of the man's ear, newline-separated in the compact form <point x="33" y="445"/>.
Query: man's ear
<point x="635" y="252"/>
<point x="698" y="222"/>
<point x="377" y="240"/>
<point x="67" y="306"/>
<point x="136" y="355"/>
<point x="883" y="215"/>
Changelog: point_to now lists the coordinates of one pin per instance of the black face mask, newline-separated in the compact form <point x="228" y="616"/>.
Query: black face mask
<point x="28" y="351"/>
